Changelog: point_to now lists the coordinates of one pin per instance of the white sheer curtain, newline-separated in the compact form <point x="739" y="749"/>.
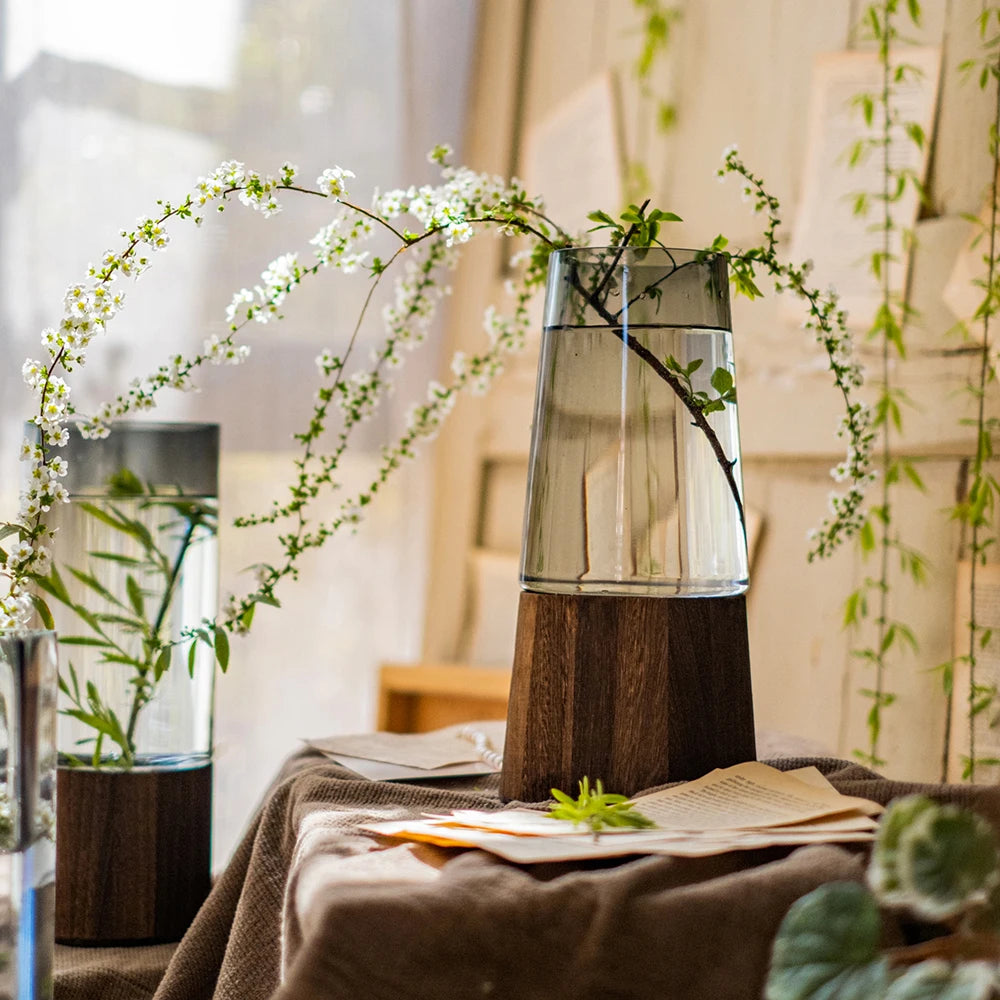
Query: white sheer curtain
<point x="109" y="105"/>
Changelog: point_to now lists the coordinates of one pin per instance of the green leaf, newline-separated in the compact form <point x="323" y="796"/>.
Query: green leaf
<point x="604" y="219"/>
<point x="883" y="873"/>
<point x="53" y="584"/>
<point x="125" y="483"/>
<point x="867" y="537"/>
<point x="916" y="133"/>
<point x="827" y="946"/>
<point x="103" y="516"/>
<point x="852" y="608"/>
<point x="118" y="558"/>
<point x="246" y="619"/>
<point x="722" y="380"/>
<point x="89" y="580"/>
<point x="597" y="808"/>
<point x="940" y="980"/>
<point x="7" y="529"/>
<point x="128" y="661"/>
<point x="76" y="683"/>
<point x="134" y="625"/>
<point x="90" y="619"/>
<point x="914" y="476"/>
<point x="162" y="663"/>
<point x="221" y="648"/>
<point x="43" y="611"/>
<point x="935" y="859"/>
<point x="83" y="640"/>
<point x="192" y="653"/>
<point x="136" y="529"/>
<point x="135" y="596"/>
<point x="947" y="860"/>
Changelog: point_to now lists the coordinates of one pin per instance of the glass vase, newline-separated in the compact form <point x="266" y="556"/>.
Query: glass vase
<point x="136" y="565"/>
<point x="137" y="562"/>
<point x="27" y="814"/>
<point x="634" y="484"/>
<point x="634" y="495"/>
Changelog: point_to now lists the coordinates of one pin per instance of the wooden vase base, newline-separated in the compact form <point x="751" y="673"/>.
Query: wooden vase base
<point x="636" y="691"/>
<point x="133" y="858"/>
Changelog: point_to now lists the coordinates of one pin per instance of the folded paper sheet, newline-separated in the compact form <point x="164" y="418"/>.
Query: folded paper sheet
<point x="444" y="753"/>
<point x="743" y="807"/>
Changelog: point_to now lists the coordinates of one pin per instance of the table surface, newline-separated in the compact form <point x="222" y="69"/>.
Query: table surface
<point x="310" y="906"/>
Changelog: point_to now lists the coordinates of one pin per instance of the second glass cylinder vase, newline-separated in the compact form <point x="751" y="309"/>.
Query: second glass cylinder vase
<point x="137" y="554"/>
<point x="634" y="478"/>
<point x="136" y="566"/>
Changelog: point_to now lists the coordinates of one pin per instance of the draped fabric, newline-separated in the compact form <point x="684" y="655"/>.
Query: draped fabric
<point x="312" y="907"/>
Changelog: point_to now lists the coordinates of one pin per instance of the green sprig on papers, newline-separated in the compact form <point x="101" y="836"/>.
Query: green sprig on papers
<point x="597" y="808"/>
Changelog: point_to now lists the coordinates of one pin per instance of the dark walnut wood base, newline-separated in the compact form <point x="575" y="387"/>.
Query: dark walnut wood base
<point x="636" y="691"/>
<point x="133" y="860"/>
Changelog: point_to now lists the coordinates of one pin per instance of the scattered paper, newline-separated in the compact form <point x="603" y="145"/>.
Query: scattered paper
<point x="425" y="751"/>
<point x="747" y="796"/>
<point x="378" y="770"/>
<point x="744" y="807"/>
<point x="533" y="850"/>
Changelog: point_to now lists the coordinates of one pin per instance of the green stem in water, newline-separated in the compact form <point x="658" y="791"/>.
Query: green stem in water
<point x="143" y="690"/>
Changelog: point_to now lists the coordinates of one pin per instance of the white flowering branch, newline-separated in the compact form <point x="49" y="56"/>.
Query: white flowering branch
<point x="449" y="214"/>
<point x="828" y="322"/>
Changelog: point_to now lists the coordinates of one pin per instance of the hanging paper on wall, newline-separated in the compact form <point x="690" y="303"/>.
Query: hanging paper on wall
<point x="827" y="230"/>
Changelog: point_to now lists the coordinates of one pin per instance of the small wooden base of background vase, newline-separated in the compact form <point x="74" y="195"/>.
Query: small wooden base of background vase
<point x="133" y="854"/>
<point x="636" y="691"/>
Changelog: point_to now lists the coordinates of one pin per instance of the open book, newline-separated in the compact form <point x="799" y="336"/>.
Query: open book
<point x="743" y="807"/>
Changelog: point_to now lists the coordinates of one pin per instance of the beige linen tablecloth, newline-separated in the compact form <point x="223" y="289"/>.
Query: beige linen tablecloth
<point x="305" y="910"/>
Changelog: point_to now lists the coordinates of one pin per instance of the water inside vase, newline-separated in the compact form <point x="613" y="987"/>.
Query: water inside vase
<point x="173" y="729"/>
<point x="628" y="492"/>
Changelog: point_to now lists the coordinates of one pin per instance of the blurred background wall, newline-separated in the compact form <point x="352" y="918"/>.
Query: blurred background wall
<point x="107" y="107"/>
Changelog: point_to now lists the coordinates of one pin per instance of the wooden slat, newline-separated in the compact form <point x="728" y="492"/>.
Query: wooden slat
<point x="420" y="697"/>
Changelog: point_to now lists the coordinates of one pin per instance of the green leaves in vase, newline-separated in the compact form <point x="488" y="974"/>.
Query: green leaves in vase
<point x="128" y="621"/>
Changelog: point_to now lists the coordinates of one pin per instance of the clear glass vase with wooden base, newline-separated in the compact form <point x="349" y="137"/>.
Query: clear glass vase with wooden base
<point x="137" y="564"/>
<point x="631" y="660"/>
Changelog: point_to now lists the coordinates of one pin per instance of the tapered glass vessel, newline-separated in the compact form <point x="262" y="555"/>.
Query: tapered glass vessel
<point x="635" y="483"/>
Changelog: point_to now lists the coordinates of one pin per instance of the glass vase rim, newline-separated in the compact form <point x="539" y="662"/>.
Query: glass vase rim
<point x="22" y="632"/>
<point x="691" y="255"/>
<point x="130" y="424"/>
<point x="160" y="425"/>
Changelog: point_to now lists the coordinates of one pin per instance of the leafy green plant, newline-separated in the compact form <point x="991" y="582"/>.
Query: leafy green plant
<point x="132" y="629"/>
<point x="879" y="536"/>
<point x="597" y="809"/>
<point x="935" y="865"/>
<point x="977" y="509"/>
